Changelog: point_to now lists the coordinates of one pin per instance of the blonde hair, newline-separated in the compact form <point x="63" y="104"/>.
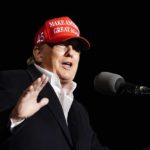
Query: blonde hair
<point x="30" y="61"/>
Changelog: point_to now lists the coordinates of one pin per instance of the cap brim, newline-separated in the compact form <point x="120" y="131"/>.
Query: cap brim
<point x="84" y="43"/>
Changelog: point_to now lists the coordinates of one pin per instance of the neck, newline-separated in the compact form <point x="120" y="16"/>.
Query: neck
<point x="65" y="85"/>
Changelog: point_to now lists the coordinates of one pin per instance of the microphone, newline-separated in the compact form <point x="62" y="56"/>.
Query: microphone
<point x="110" y="84"/>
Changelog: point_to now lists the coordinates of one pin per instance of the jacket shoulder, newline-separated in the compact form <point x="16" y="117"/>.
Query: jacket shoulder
<point x="8" y="76"/>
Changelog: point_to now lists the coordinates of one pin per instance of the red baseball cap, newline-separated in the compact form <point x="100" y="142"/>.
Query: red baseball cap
<point x="59" y="30"/>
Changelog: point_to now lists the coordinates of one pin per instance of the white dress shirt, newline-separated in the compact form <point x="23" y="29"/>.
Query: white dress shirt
<point x="65" y="95"/>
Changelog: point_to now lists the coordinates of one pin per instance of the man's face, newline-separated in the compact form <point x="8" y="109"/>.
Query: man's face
<point x="61" y="59"/>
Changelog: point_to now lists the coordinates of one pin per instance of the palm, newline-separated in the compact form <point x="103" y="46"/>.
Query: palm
<point x="28" y="104"/>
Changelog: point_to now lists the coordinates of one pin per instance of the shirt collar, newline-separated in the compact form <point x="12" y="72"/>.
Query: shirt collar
<point x="54" y="79"/>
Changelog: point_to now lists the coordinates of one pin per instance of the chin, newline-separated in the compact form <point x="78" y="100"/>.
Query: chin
<point x="65" y="79"/>
<point x="66" y="76"/>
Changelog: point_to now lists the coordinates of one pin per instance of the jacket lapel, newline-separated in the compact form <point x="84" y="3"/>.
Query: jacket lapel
<point x="54" y="105"/>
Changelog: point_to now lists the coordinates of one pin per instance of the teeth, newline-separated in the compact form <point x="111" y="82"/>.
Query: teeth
<point x="67" y="63"/>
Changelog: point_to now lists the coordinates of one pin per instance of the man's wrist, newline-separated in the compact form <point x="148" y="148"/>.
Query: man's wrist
<point x="15" y="122"/>
<point x="15" y="117"/>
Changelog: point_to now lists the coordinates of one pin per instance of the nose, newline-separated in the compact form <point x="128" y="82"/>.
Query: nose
<point x="70" y="51"/>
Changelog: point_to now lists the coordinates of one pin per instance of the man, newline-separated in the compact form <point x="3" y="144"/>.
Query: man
<point x="38" y="110"/>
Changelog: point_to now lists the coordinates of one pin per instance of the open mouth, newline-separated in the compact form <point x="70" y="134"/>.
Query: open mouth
<point x="67" y="65"/>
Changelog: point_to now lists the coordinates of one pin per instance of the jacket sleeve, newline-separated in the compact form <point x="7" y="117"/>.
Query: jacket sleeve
<point x="6" y="106"/>
<point x="10" y="91"/>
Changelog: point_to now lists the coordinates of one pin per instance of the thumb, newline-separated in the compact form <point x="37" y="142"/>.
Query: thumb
<point x="43" y="102"/>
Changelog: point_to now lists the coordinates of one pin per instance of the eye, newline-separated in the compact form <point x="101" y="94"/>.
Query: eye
<point x="62" y="48"/>
<point x="62" y="45"/>
<point x="75" y="44"/>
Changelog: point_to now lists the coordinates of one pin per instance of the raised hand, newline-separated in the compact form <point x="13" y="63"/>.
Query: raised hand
<point x="27" y="104"/>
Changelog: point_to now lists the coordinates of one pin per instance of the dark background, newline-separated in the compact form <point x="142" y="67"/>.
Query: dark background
<point x="119" y="35"/>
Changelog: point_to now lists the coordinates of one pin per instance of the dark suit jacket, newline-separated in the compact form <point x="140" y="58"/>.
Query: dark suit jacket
<point x="47" y="129"/>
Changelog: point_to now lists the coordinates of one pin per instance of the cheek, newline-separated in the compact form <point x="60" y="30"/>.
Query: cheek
<point x="55" y="62"/>
<point x="76" y="63"/>
<point x="77" y="59"/>
<point x="49" y="61"/>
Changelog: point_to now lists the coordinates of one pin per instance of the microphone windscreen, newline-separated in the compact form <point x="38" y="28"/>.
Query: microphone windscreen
<point x="108" y="83"/>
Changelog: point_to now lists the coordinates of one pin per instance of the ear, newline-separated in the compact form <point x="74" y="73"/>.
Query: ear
<point x="37" y="54"/>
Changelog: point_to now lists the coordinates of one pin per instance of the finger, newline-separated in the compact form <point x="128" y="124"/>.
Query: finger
<point x="43" y="102"/>
<point x="37" y="83"/>
<point x="28" y="90"/>
<point x="44" y="80"/>
<point x="40" y="83"/>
